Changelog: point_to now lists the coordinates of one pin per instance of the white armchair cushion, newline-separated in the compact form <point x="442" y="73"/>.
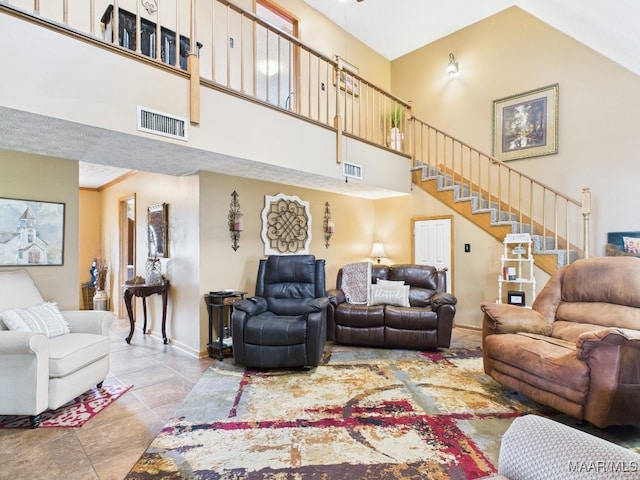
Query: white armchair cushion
<point x="18" y="290"/>
<point x="45" y="318"/>
<point x="69" y="353"/>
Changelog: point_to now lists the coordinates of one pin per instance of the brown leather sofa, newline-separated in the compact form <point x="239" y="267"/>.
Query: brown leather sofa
<point x="577" y="349"/>
<point x="425" y="324"/>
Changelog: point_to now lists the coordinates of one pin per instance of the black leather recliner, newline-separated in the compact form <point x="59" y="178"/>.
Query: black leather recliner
<point x="285" y="324"/>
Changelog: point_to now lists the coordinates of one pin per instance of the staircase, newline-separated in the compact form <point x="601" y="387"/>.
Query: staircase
<point x="499" y="199"/>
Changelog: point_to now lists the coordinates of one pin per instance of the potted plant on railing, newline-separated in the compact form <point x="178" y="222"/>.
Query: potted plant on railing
<point x="396" y="115"/>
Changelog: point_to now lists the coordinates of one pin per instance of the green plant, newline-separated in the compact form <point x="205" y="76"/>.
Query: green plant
<point x="396" y="115"/>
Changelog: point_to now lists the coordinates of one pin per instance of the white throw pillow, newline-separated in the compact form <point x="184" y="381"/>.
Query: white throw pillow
<point x="390" y="294"/>
<point x="45" y="318"/>
<point x="380" y="281"/>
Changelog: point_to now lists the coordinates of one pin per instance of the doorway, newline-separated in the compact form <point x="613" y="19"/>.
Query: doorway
<point x="127" y="232"/>
<point x="433" y="244"/>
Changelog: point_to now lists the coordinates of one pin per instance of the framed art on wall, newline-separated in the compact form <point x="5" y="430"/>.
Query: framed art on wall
<point x="31" y="232"/>
<point x="348" y="82"/>
<point x="526" y="125"/>
<point x="286" y="225"/>
<point x="158" y="230"/>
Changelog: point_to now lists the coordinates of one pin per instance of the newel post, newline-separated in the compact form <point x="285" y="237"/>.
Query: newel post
<point x="586" y="213"/>
<point x="193" y="67"/>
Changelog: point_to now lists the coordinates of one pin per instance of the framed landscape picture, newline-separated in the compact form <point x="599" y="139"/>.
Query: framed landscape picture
<point x="31" y="233"/>
<point x="526" y="125"/>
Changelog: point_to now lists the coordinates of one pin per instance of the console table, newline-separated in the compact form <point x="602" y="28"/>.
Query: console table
<point x="218" y="301"/>
<point x="143" y="291"/>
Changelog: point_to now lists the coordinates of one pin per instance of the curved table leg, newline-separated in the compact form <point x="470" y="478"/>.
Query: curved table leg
<point x="144" y="310"/>
<point x="165" y="294"/>
<point x="132" y="321"/>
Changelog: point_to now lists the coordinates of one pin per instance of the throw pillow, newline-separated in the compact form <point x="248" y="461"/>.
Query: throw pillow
<point x="45" y="318"/>
<point x="631" y="245"/>
<point x="380" y="281"/>
<point x="389" y="294"/>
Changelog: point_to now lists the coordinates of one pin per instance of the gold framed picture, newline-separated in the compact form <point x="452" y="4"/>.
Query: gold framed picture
<point x="348" y="82"/>
<point x="526" y="125"/>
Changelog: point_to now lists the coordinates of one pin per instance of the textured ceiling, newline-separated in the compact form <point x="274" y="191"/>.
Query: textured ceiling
<point x="105" y="155"/>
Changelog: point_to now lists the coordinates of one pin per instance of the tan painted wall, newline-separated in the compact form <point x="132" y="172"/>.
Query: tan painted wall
<point x="182" y="266"/>
<point x="32" y="177"/>
<point x="474" y="274"/>
<point x="89" y="214"/>
<point x="514" y="52"/>
<point x="200" y="255"/>
<point x="510" y="53"/>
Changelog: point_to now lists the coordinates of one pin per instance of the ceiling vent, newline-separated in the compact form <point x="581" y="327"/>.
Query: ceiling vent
<point x="352" y="170"/>
<point x="152" y="121"/>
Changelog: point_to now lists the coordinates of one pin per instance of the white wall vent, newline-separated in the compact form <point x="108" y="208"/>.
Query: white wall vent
<point x="352" y="170"/>
<point x="153" y="121"/>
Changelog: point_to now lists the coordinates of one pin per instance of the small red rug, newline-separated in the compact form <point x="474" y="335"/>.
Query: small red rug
<point x="75" y="413"/>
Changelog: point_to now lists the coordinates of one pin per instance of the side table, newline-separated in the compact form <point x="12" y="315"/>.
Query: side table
<point x="219" y="301"/>
<point x="143" y="291"/>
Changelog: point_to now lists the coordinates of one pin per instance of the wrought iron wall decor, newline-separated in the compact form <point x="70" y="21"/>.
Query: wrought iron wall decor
<point x="328" y="226"/>
<point x="150" y="5"/>
<point x="235" y="221"/>
<point x="286" y="225"/>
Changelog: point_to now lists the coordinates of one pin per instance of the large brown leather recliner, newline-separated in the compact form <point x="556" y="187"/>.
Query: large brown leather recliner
<point x="424" y="325"/>
<point x="577" y="349"/>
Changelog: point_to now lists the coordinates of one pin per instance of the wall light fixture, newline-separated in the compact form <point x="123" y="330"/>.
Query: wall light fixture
<point x="235" y="221"/>
<point x="453" y="65"/>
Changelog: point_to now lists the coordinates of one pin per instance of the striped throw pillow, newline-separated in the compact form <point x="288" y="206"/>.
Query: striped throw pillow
<point x="45" y="318"/>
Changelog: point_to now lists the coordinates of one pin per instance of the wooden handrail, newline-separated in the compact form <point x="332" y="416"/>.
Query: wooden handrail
<point x="514" y="196"/>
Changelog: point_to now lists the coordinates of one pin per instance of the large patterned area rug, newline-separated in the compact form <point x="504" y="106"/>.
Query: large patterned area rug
<point x="363" y="413"/>
<point x="75" y="413"/>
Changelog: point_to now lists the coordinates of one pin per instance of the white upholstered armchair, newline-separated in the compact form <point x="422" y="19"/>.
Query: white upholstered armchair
<point x="47" y="357"/>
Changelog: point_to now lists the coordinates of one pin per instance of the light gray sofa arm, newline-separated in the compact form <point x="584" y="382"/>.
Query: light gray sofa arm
<point x="542" y="449"/>
<point x="24" y="373"/>
<point x="89" y="321"/>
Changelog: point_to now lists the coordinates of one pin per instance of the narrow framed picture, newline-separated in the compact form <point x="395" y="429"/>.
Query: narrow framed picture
<point x="31" y="233"/>
<point x="515" y="297"/>
<point x="348" y="82"/>
<point x="526" y="124"/>
<point x="158" y="230"/>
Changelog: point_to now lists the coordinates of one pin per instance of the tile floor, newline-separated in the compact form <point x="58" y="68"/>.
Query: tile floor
<point x="108" y="446"/>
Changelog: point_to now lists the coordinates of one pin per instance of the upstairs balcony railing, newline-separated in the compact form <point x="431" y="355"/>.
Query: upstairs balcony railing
<point x="235" y="51"/>
<point x="241" y="53"/>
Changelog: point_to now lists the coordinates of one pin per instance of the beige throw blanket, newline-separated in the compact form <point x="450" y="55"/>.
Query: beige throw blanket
<point x="356" y="278"/>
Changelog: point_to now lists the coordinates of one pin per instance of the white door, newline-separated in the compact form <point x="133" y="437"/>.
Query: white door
<point x="432" y="245"/>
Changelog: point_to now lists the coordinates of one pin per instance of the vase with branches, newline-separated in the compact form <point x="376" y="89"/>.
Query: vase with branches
<point x="102" y="269"/>
<point x="101" y="298"/>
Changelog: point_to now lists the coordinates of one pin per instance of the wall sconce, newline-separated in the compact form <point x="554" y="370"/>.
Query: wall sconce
<point x="378" y="251"/>
<point x="235" y="221"/>
<point x="328" y="226"/>
<point x="453" y="65"/>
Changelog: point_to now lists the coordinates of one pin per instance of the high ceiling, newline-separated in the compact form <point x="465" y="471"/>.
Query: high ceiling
<point x="396" y="27"/>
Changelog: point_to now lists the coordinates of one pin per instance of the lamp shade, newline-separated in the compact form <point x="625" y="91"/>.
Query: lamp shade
<point x="378" y="251"/>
